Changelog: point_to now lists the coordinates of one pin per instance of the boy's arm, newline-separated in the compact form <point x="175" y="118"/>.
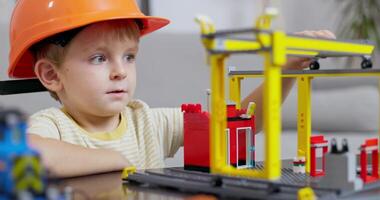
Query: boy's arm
<point x="168" y="123"/>
<point x="287" y="83"/>
<point x="257" y="94"/>
<point x="66" y="160"/>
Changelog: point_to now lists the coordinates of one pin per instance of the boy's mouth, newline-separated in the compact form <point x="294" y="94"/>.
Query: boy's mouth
<point x="116" y="91"/>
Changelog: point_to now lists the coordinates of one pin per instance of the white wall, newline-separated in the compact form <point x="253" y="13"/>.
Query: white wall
<point x="6" y="7"/>
<point x="226" y="13"/>
<point x="295" y="15"/>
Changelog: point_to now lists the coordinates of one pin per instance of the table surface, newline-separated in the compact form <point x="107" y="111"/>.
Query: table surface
<point x="110" y="186"/>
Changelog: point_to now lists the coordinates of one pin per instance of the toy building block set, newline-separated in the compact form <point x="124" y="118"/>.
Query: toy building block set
<point x="219" y="146"/>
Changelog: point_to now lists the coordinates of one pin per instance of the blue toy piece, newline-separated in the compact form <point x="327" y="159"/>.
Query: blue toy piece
<point x="20" y="167"/>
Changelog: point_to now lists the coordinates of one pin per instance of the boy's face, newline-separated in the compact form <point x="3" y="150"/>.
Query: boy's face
<point x="98" y="73"/>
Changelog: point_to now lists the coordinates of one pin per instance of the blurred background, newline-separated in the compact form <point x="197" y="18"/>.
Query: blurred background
<point x="172" y="68"/>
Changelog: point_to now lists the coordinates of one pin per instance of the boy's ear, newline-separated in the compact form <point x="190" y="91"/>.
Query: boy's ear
<point x="46" y="72"/>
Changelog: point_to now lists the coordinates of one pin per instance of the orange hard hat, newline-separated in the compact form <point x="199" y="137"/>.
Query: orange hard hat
<point x="35" y="20"/>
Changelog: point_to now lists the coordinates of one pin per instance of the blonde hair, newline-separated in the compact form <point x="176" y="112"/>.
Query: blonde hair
<point x="55" y="51"/>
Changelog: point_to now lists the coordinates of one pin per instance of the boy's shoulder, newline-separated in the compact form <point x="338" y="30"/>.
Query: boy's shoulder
<point x="52" y="111"/>
<point x="137" y="104"/>
<point x="57" y="113"/>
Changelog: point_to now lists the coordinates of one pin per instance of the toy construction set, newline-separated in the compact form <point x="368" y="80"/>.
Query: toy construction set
<point x="219" y="146"/>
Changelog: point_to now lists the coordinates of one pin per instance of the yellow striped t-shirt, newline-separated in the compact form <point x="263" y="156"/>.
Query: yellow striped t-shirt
<point x="145" y="136"/>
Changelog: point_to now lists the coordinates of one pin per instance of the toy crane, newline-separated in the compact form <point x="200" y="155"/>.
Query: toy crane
<point x="274" y="46"/>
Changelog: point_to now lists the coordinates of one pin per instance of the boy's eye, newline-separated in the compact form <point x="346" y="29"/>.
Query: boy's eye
<point x="98" y="59"/>
<point x="130" y="58"/>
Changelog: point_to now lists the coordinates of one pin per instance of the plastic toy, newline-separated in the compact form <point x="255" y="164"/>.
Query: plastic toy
<point x="240" y="139"/>
<point x="369" y="146"/>
<point x="20" y="165"/>
<point x="273" y="46"/>
<point x="299" y="165"/>
<point x="317" y="141"/>
<point x="343" y="177"/>
<point x="306" y="194"/>
<point x="267" y="179"/>
<point x="21" y="173"/>
<point x="365" y="64"/>
<point x="304" y="80"/>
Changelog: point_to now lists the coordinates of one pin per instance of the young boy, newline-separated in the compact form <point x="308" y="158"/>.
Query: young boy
<point x="84" y="53"/>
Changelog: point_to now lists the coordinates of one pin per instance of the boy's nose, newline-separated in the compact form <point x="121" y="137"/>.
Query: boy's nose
<point x="118" y="71"/>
